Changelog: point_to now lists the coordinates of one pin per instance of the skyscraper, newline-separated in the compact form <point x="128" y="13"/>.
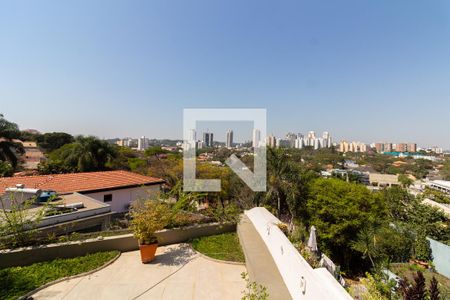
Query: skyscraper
<point x="142" y="143"/>
<point x="208" y="139"/>
<point x="256" y="138"/>
<point x="412" y="147"/>
<point x="230" y="138"/>
<point x="327" y="142"/>
<point x="271" y="141"/>
<point x="401" y="147"/>
<point x="291" y="138"/>
<point x="192" y="135"/>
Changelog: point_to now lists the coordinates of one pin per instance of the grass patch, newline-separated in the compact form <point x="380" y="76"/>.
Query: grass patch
<point x="405" y="270"/>
<point x="17" y="281"/>
<point x="223" y="246"/>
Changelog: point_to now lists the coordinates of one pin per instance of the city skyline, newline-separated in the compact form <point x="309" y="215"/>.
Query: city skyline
<point x="131" y="69"/>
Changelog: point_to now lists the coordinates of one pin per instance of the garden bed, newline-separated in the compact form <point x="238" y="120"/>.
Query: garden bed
<point x="224" y="247"/>
<point x="122" y="243"/>
<point x="16" y="282"/>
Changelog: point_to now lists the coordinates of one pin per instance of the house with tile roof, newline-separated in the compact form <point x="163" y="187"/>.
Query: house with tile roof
<point x="116" y="188"/>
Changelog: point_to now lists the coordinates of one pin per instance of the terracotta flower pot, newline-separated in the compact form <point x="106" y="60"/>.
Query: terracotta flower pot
<point x="148" y="252"/>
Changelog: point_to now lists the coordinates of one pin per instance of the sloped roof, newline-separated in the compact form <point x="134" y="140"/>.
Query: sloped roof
<point x="80" y="182"/>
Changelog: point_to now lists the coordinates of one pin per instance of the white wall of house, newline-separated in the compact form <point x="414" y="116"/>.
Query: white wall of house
<point x="122" y="198"/>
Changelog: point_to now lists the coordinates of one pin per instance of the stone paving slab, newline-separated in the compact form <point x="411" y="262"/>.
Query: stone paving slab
<point x="178" y="272"/>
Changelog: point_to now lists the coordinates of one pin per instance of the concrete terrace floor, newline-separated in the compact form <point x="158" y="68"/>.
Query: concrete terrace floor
<point x="177" y="272"/>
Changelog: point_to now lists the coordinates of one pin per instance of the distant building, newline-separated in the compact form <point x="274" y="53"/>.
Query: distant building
<point x="356" y="147"/>
<point x="310" y="140"/>
<point x="401" y="147"/>
<point x="271" y="141"/>
<point x="388" y="147"/>
<point x="327" y="142"/>
<point x="441" y="185"/>
<point x="256" y="138"/>
<point x="291" y="138"/>
<point x="229" y="138"/>
<point x="412" y="147"/>
<point x="437" y="150"/>
<point x="299" y="143"/>
<point x="192" y="135"/>
<point x="379" y="147"/>
<point x="208" y="139"/>
<point x="142" y="143"/>
<point x="200" y="145"/>
<point x="383" y="180"/>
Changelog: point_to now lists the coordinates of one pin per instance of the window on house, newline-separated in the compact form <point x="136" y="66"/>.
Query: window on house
<point x="107" y="198"/>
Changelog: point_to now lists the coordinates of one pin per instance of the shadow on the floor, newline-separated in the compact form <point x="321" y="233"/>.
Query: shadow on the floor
<point x="175" y="256"/>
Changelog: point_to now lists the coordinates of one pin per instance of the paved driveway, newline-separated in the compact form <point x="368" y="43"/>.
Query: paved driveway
<point x="177" y="273"/>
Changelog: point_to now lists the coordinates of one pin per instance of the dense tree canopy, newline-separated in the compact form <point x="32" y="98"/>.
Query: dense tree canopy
<point x="86" y="154"/>
<point x="340" y="210"/>
<point x="54" y="140"/>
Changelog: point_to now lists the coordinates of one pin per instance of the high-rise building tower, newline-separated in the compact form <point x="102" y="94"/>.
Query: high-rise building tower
<point x="208" y="139"/>
<point x="401" y="147"/>
<point x="192" y="135"/>
<point x="256" y="138"/>
<point x="271" y="141"/>
<point x="230" y="138"/>
<point x="388" y="147"/>
<point x="291" y="137"/>
<point x="142" y="143"/>
<point x="412" y="147"/>
<point x="327" y="142"/>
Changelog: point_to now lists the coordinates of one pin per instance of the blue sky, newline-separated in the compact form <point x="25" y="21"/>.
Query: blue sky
<point x="364" y="70"/>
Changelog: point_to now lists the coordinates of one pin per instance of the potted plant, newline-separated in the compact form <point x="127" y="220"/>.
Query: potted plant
<point x="147" y="217"/>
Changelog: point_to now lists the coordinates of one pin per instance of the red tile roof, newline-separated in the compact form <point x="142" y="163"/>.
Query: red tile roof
<point x="80" y="182"/>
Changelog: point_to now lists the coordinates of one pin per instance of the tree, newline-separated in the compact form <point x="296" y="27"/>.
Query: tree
<point x="54" y="140"/>
<point x="340" y="211"/>
<point x="422" y="248"/>
<point x="445" y="171"/>
<point x="86" y="154"/>
<point x="366" y="243"/>
<point x="9" y="149"/>
<point x="287" y="185"/>
<point x="405" y="180"/>
<point x="6" y="170"/>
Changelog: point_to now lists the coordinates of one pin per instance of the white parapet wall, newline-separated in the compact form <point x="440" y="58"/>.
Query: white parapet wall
<point x="302" y="281"/>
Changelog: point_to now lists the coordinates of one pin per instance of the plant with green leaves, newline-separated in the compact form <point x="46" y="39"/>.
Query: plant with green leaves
<point x="148" y="217"/>
<point x="405" y="180"/>
<point x="86" y="154"/>
<point x="18" y="221"/>
<point x="253" y="290"/>
<point x="372" y="291"/>
<point x="6" y="169"/>
<point x="9" y="149"/>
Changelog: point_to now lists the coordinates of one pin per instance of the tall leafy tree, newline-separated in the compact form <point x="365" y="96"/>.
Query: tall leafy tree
<point x="54" y="140"/>
<point x="86" y="154"/>
<point x="9" y="150"/>
<point x="340" y="210"/>
<point x="285" y="184"/>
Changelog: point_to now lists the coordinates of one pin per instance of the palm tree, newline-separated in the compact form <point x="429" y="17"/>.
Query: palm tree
<point x="9" y="150"/>
<point x="91" y="154"/>
<point x="86" y="154"/>
<point x="283" y="182"/>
